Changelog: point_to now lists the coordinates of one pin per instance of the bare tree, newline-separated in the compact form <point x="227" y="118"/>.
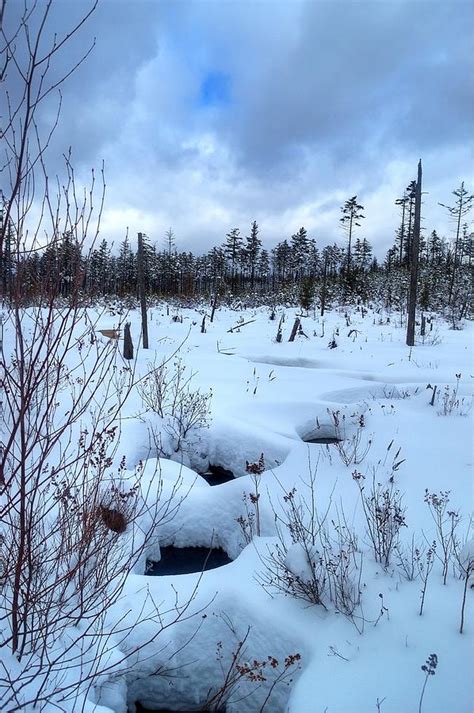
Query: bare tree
<point x="28" y="52"/>
<point x="72" y="518"/>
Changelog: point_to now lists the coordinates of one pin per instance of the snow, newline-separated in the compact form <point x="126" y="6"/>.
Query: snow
<point x="266" y="397"/>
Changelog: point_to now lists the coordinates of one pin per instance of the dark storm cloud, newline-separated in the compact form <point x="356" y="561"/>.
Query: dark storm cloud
<point x="349" y="76"/>
<point x="97" y="98"/>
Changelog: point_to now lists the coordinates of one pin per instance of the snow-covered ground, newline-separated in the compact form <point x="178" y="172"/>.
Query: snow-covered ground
<point x="371" y="391"/>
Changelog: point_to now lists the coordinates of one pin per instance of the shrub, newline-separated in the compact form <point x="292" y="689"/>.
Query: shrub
<point x="313" y="561"/>
<point x="166" y="391"/>
<point x="384" y="516"/>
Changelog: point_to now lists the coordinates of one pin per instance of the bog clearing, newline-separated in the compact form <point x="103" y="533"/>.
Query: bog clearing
<point x="312" y="500"/>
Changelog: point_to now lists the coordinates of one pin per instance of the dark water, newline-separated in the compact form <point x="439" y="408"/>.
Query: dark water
<point x="185" y="560"/>
<point x="322" y="439"/>
<point x="216" y="475"/>
<point x="141" y="709"/>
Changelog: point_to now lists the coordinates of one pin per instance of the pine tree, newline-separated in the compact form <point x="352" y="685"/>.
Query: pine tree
<point x="462" y="206"/>
<point x="69" y="263"/>
<point x="233" y="251"/>
<point x="299" y="253"/>
<point x="313" y="259"/>
<point x="366" y="254"/>
<point x="412" y="297"/>
<point x="351" y="215"/>
<point x="99" y="269"/>
<point x="281" y="257"/>
<point x="306" y="293"/>
<point x="407" y="247"/>
<point x="170" y="261"/>
<point x="403" y="203"/>
<point x="263" y="267"/>
<point x="251" y="251"/>
<point x="217" y="262"/>
<point x="6" y="256"/>
<point x="391" y="258"/>
<point x="467" y="246"/>
<point x="126" y="268"/>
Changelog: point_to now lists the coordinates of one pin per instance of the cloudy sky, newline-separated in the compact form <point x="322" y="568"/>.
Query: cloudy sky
<point x="210" y="114"/>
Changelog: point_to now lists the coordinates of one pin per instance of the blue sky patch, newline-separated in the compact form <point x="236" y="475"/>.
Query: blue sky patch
<point x="215" y="89"/>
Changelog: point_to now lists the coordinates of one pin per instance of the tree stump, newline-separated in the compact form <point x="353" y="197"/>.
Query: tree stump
<point x="295" y="329"/>
<point x="127" y="343"/>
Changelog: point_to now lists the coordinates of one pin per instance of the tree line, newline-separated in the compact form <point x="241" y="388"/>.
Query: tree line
<point x="241" y="264"/>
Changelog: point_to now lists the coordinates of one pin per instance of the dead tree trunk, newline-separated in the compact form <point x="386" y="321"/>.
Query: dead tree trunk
<point x="296" y="327"/>
<point x="323" y="288"/>
<point x="423" y="325"/>
<point x="141" y="289"/>
<point x="127" y="343"/>
<point x="415" y="249"/>
<point x="214" y="305"/>
<point x="279" y="334"/>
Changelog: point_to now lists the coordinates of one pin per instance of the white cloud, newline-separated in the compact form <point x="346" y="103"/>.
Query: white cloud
<point x="327" y="100"/>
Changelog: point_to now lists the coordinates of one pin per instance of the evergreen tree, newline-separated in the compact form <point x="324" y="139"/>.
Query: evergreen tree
<point x="435" y="251"/>
<point x="251" y="251"/>
<point x="263" y="267"/>
<point x="99" y="269"/>
<point x="299" y="253"/>
<point x="170" y="271"/>
<point x="462" y="206"/>
<point x="7" y="257"/>
<point x="217" y="264"/>
<point x="467" y="246"/>
<point x="126" y="269"/>
<point x="403" y="203"/>
<point x="306" y="293"/>
<point x="391" y="258"/>
<point x="411" y="194"/>
<point x="313" y="259"/>
<point x="351" y="215"/>
<point x="233" y="250"/>
<point x="281" y="256"/>
<point x="69" y="264"/>
<point x="362" y="254"/>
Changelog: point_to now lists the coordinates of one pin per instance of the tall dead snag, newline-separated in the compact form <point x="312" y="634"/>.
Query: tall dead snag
<point x="415" y="249"/>
<point x="141" y="289"/>
<point x="323" y="287"/>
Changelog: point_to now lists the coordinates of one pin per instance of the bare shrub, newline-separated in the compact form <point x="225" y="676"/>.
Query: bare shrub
<point x="166" y="390"/>
<point x="429" y="669"/>
<point x="316" y="559"/>
<point x="465" y="560"/>
<point x="71" y="529"/>
<point x="406" y="559"/>
<point x="70" y="535"/>
<point x="446" y="523"/>
<point x="424" y="566"/>
<point x="384" y="516"/>
<point x="267" y="673"/>
<point x="451" y="403"/>
<point x="247" y="522"/>
<point x="352" y="448"/>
